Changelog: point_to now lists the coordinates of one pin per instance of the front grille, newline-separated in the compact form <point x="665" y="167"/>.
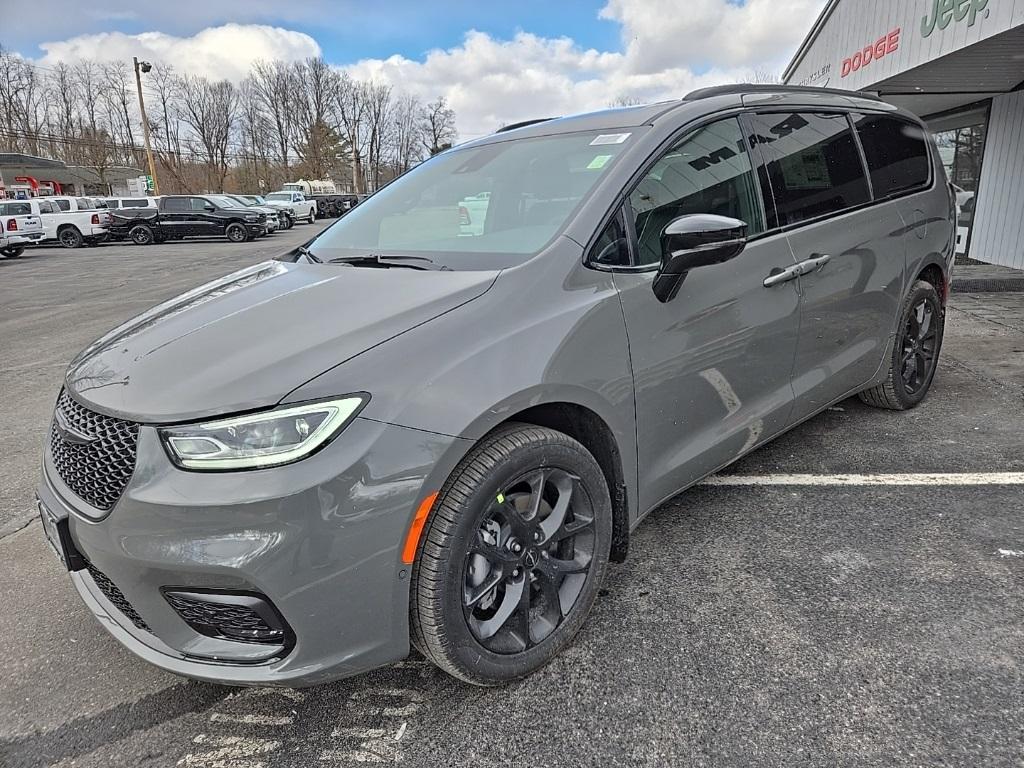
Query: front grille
<point x="115" y="596"/>
<point x="98" y="469"/>
<point x="234" y="620"/>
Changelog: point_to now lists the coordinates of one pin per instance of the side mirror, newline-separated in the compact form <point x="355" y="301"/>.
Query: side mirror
<point x="209" y="207"/>
<point x="692" y="241"/>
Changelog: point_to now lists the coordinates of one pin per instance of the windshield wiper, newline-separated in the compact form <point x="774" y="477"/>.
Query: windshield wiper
<point x="304" y="251"/>
<point x="378" y="260"/>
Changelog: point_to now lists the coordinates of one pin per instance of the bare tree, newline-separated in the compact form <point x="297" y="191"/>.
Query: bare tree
<point x="274" y="84"/>
<point x="210" y="110"/>
<point x="438" y="126"/>
<point x="348" y="111"/>
<point x="407" y="138"/>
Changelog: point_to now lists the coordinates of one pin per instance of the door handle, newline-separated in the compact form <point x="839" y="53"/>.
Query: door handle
<point x="814" y="263"/>
<point x="779" y="275"/>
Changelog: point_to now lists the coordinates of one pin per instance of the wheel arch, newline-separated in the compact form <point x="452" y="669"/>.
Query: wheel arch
<point x="934" y="272"/>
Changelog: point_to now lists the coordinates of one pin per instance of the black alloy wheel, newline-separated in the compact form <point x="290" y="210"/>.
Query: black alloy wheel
<point x="915" y="352"/>
<point x="236" y="233"/>
<point x="513" y="553"/>
<point x="141" y="235"/>
<point x="919" y="348"/>
<point x="70" y="237"/>
<point x="525" y="569"/>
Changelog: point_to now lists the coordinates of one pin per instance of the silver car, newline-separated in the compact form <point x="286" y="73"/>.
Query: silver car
<point x="408" y="432"/>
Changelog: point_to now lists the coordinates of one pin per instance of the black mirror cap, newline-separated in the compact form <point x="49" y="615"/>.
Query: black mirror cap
<point x="692" y="241"/>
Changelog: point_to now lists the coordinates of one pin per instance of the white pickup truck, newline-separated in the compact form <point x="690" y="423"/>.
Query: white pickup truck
<point x="301" y="208"/>
<point x="72" y="226"/>
<point x="17" y="231"/>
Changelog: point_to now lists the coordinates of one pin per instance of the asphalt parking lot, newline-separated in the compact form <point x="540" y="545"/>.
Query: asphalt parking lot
<point x="770" y="624"/>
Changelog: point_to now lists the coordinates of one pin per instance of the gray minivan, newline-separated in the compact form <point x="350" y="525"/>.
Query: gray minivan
<point x="414" y="432"/>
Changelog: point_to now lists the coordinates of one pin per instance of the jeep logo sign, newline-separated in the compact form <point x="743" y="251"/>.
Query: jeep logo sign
<point x="944" y="11"/>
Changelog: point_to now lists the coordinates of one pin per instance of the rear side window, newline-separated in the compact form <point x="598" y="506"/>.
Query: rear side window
<point x="135" y="203"/>
<point x="64" y="205"/>
<point x="176" y="204"/>
<point x="811" y="165"/>
<point x="112" y="203"/>
<point x="896" y="151"/>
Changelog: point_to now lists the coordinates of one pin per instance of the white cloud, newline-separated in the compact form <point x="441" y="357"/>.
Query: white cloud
<point x="666" y="33"/>
<point x="227" y="51"/>
<point x="668" y="48"/>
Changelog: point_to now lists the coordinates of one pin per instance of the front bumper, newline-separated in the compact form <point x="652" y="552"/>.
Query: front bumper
<point x="320" y="538"/>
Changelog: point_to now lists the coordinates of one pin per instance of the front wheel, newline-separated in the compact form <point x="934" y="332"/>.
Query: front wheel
<point x="514" y="551"/>
<point x="12" y="251"/>
<point x="236" y="233"/>
<point x="915" y="353"/>
<point x="70" y="237"/>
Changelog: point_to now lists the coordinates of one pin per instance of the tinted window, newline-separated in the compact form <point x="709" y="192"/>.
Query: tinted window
<point x="15" y="209"/>
<point x="812" y="165"/>
<point x="135" y="203"/>
<point x="611" y="248"/>
<point x="112" y="203"/>
<point x="896" y="152"/>
<point x="176" y="204"/>
<point x="707" y="172"/>
<point x="83" y="203"/>
<point x="45" y="206"/>
<point x="64" y="205"/>
<point x="199" y="203"/>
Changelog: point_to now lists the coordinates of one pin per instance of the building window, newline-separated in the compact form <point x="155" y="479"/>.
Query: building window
<point x="960" y="138"/>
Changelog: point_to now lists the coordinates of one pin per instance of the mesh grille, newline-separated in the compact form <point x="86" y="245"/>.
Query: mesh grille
<point x="115" y="596"/>
<point x="237" y="622"/>
<point x="97" y="471"/>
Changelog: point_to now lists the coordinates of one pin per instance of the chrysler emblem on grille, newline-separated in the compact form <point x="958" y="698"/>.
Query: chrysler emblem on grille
<point x="70" y="434"/>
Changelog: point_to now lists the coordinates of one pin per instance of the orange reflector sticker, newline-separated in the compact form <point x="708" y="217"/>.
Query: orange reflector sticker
<point x="412" y="540"/>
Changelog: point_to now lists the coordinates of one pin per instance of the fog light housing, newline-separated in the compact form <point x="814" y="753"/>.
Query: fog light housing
<point x="241" y="617"/>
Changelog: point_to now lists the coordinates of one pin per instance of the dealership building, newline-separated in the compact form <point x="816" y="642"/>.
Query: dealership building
<point x="958" y="64"/>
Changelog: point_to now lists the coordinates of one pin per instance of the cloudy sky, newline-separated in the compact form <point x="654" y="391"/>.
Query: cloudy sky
<point x="496" y="62"/>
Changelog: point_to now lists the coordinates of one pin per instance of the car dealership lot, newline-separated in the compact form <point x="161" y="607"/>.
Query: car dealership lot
<point x="778" y="624"/>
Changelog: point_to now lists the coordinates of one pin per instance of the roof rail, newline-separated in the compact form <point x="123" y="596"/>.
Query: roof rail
<point x="741" y="88"/>
<point x="524" y="123"/>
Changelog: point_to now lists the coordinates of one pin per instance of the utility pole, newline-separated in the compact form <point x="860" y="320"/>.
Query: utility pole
<point x="145" y="66"/>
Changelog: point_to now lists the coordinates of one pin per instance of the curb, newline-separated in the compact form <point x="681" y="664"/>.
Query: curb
<point x="988" y="285"/>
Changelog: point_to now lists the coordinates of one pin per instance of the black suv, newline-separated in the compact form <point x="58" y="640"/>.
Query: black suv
<point x="180" y="216"/>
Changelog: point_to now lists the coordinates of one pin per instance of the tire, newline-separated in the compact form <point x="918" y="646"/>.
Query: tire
<point x="12" y="251"/>
<point x="236" y="233"/>
<point x="485" y="504"/>
<point x="312" y="216"/>
<point x="289" y="222"/>
<point x="70" y="237"/>
<point x="915" y="354"/>
<point x="140" y="234"/>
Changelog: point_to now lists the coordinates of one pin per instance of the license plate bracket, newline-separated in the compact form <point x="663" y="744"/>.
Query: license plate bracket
<point x="58" y="535"/>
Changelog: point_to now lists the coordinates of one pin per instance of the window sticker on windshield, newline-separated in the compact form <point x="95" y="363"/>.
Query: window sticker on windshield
<point x="610" y="138"/>
<point x="598" y="162"/>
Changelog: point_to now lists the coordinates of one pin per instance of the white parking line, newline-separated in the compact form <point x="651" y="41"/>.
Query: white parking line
<point x="226" y="717"/>
<point x="911" y="478"/>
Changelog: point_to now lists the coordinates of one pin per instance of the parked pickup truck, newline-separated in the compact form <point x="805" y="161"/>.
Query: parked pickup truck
<point x="17" y="232"/>
<point x="180" y="216"/>
<point x="70" y="228"/>
<point x="301" y="208"/>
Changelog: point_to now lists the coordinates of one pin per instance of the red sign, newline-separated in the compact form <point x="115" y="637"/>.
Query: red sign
<point x="881" y="47"/>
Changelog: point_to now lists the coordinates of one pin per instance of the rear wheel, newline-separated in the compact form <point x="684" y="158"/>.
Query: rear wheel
<point x="140" y="234"/>
<point x="915" y="353"/>
<point x="312" y="216"/>
<point x="70" y="237"/>
<point x="236" y="233"/>
<point x="515" y="549"/>
<point x="12" y="251"/>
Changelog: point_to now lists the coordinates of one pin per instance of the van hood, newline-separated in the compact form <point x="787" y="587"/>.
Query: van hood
<point x="248" y="339"/>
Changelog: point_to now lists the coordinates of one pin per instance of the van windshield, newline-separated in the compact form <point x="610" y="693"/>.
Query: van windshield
<point x="481" y="207"/>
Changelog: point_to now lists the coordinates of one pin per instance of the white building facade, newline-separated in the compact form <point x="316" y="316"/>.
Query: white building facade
<point x="959" y="64"/>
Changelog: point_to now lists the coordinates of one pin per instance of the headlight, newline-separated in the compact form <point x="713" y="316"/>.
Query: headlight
<point x="260" y="440"/>
<point x="252" y="217"/>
